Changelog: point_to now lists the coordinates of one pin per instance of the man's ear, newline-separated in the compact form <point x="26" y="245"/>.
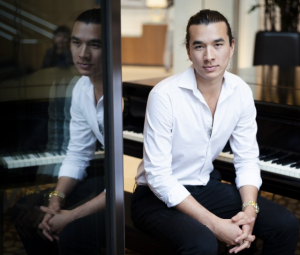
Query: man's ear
<point x="232" y="47"/>
<point x="188" y="52"/>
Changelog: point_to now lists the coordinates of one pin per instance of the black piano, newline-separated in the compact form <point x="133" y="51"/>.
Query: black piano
<point x="276" y="92"/>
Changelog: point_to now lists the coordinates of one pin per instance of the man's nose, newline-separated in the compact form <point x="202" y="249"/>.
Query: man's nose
<point x="209" y="53"/>
<point x="84" y="51"/>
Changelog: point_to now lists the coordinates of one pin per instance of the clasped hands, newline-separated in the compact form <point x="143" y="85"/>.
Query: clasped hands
<point x="237" y="232"/>
<point x="54" y="221"/>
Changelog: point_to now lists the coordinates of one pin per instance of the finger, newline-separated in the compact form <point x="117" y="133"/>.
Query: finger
<point x="41" y="226"/>
<point x="250" y="238"/>
<point x="47" y="234"/>
<point x="45" y="221"/>
<point x="242" y="246"/>
<point x="244" y="221"/>
<point x="238" y="217"/>
<point x="48" y="210"/>
<point x="56" y="237"/>
<point x="246" y="232"/>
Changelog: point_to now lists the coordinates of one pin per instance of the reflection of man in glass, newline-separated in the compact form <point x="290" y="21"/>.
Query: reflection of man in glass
<point x="59" y="54"/>
<point x="76" y="233"/>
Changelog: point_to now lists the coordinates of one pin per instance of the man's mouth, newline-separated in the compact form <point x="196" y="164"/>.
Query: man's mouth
<point x="210" y="68"/>
<point x="84" y="65"/>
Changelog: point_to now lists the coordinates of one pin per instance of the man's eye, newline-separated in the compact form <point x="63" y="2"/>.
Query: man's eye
<point x="95" y="45"/>
<point x="218" y="45"/>
<point x="75" y="42"/>
<point x="199" y="47"/>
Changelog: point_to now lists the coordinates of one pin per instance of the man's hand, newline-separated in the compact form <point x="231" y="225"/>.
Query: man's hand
<point x="227" y="231"/>
<point x="54" y="205"/>
<point x="57" y="222"/>
<point x="246" y="221"/>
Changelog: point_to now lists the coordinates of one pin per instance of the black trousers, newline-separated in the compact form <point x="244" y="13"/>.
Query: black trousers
<point x="85" y="236"/>
<point x="275" y="225"/>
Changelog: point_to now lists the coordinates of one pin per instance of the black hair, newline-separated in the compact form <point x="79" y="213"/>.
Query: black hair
<point x="92" y="16"/>
<point x="207" y="17"/>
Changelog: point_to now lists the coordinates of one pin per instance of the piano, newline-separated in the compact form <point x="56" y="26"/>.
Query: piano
<point x="276" y="92"/>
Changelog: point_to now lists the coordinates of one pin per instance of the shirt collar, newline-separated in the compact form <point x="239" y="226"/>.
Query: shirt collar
<point x="228" y="87"/>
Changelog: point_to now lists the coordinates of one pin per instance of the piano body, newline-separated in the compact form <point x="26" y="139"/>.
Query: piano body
<point x="277" y="98"/>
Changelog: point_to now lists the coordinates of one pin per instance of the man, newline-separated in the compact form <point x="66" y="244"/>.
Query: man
<point x="189" y="119"/>
<point x="81" y="228"/>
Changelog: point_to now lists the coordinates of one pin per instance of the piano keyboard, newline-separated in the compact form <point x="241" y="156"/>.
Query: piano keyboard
<point x="287" y="170"/>
<point x="291" y="169"/>
<point x="38" y="159"/>
<point x="268" y="166"/>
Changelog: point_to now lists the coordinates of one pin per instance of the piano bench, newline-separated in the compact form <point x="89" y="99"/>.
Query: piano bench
<point x="144" y="243"/>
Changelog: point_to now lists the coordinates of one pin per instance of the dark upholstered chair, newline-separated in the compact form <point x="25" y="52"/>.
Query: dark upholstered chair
<point x="277" y="48"/>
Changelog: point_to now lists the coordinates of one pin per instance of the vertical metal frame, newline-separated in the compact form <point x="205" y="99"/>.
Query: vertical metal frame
<point x="113" y="123"/>
<point x="235" y="28"/>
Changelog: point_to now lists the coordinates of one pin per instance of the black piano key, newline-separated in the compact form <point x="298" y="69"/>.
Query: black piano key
<point x="295" y="165"/>
<point x="293" y="158"/>
<point x="264" y="152"/>
<point x="276" y="155"/>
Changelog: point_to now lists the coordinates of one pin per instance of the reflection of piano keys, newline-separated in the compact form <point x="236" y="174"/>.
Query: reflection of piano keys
<point x="133" y="136"/>
<point x="37" y="159"/>
<point x="52" y="157"/>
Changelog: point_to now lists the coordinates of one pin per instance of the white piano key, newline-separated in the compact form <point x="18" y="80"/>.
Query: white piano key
<point x="130" y="135"/>
<point x="265" y="166"/>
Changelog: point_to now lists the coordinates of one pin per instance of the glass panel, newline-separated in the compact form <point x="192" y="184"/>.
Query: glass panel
<point x="52" y="128"/>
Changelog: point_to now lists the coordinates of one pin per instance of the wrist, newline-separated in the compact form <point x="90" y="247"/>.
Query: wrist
<point x="250" y="212"/>
<point x="56" y="197"/>
<point x="250" y="204"/>
<point x="76" y="213"/>
<point x="214" y="223"/>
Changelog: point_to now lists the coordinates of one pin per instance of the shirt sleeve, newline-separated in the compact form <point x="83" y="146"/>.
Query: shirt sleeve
<point x="82" y="142"/>
<point x="158" y="151"/>
<point x="244" y="145"/>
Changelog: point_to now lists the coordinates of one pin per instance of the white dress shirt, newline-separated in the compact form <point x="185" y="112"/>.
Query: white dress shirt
<point x="86" y="127"/>
<point x="181" y="138"/>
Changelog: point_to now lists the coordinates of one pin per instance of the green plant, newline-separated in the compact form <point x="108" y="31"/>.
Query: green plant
<point x="289" y="14"/>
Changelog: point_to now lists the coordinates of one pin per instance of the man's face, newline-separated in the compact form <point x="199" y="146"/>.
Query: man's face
<point x="86" y="49"/>
<point x="210" y="51"/>
<point x="61" y="40"/>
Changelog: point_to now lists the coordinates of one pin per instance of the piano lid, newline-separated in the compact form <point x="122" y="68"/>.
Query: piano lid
<point x="276" y="90"/>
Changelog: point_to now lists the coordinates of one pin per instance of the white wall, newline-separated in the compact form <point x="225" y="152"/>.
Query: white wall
<point x="249" y="25"/>
<point x="132" y="20"/>
<point x="183" y="10"/>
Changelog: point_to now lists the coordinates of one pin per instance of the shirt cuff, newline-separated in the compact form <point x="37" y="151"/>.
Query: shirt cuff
<point x="244" y="179"/>
<point x="72" y="171"/>
<point x="176" y="195"/>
